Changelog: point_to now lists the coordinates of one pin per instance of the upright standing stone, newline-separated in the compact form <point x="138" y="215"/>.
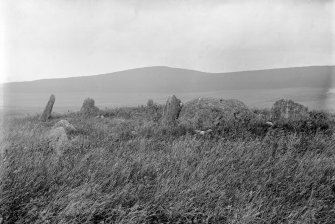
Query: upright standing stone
<point x="48" y="109"/>
<point x="88" y="108"/>
<point x="171" y="110"/>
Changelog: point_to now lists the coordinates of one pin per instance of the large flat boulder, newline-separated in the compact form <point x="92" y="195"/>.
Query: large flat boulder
<point x="205" y="113"/>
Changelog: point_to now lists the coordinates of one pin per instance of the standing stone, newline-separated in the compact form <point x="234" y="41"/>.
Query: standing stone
<point x="288" y="110"/>
<point x="48" y="109"/>
<point x="88" y="108"/>
<point x="171" y="110"/>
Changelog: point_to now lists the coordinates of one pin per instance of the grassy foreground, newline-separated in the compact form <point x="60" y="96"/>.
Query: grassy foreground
<point x="126" y="168"/>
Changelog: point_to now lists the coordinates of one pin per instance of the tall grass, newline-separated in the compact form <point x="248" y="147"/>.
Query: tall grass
<point x="127" y="168"/>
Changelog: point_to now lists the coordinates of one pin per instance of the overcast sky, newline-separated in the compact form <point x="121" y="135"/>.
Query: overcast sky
<point x="61" y="38"/>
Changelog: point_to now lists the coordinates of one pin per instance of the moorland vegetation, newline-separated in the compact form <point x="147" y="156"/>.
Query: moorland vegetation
<point x="122" y="165"/>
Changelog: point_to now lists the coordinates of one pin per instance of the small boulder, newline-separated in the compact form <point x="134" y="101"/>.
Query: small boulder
<point x="58" y="139"/>
<point x="171" y="110"/>
<point x="88" y="108"/>
<point x="206" y="113"/>
<point x="203" y="132"/>
<point x="65" y="124"/>
<point x="288" y="110"/>
<point x="48" y="109"/>
<point x="269" y="123"/>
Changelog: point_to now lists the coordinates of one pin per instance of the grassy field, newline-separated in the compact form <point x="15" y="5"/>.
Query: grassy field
<point x="127" y="168"/>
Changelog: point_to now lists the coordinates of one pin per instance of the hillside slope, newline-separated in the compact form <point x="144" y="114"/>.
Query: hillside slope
<point x="166" y="79"/>
<point x="307" y="85"/>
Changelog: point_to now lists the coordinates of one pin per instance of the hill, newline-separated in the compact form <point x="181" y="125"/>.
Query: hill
<point x="135" y="86"/>
<point x="166" y="79"/>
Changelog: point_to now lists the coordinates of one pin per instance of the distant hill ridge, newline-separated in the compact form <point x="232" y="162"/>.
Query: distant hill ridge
<point x="161" y="79"/>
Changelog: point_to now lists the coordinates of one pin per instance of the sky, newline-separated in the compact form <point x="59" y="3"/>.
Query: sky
<point x="61" y="38"/>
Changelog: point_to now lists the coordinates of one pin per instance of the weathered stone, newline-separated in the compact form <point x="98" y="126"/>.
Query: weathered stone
<point x="65" y="124"/>
<point x="171" y="110"/>
<point x="288" y="109"/>
<point x="206" y="113"/>
<point x="88" y="108"/>
<point x="48" y="109"/>
<point x="203" y="132"/>
<point x="150" y="103"/>
<point x="269" y="123"/>
<point x="58" y="139"/>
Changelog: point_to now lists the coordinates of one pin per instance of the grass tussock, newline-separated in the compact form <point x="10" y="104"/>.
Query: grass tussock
<point x="127" y="168"/>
